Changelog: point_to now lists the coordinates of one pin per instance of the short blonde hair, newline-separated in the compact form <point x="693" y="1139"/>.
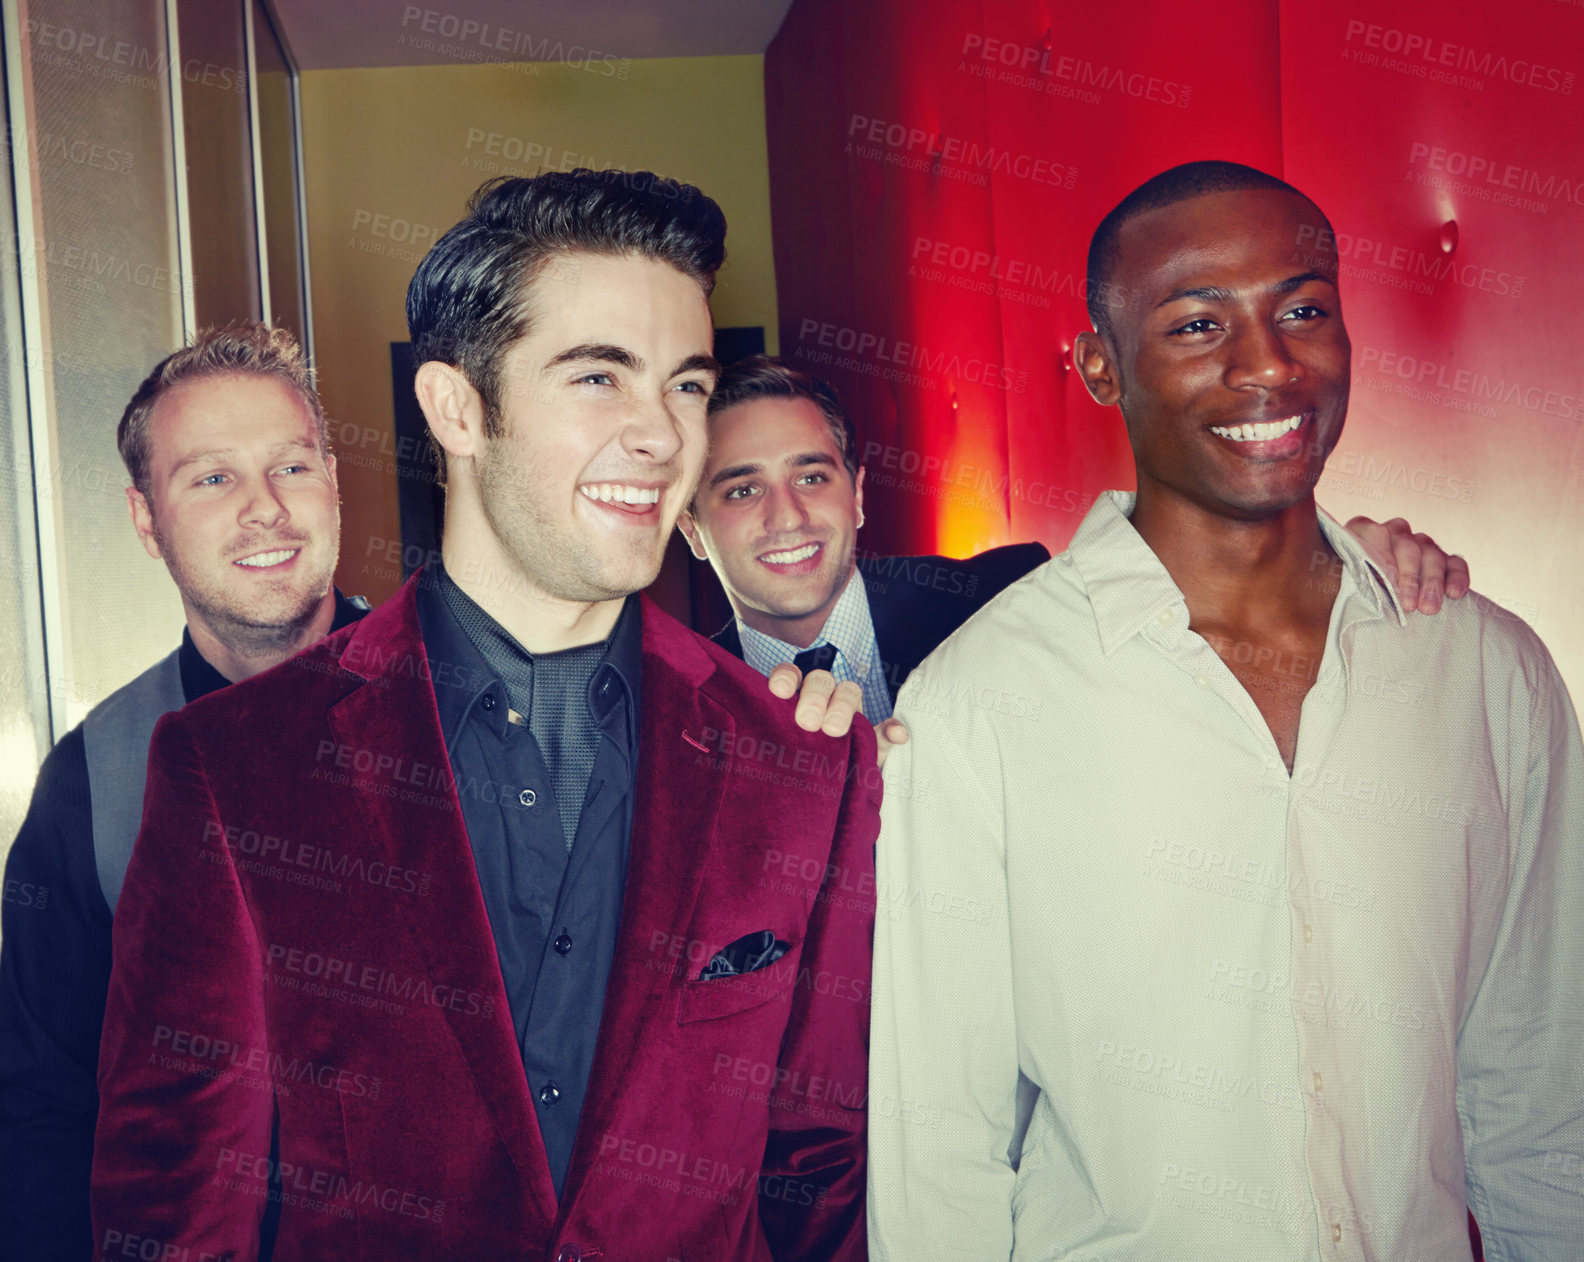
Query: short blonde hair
<point x="244" y="346"/>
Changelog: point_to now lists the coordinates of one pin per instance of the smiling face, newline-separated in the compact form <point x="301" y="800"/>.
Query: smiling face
<point x="242" y="506"/>
<point x="777" y="515"/>
<point x="602" y="407"/>
<point x="1232" y="369"/>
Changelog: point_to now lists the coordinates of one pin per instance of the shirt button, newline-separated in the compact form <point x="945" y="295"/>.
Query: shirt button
<point x="549" y="1093"/>
<point x="527" y="797"/>
<point x="1308" y="933"/>
<point x="1318" y="1088"/>
<point x="569" y="1253"/>
<point x="563" y="943"/>
<point x="1336" y="1233"/>
<point x="1202" y="680"/>
<point x="1165" y="616"/>
<point x="605" y="688"/>
<point x="489" y="702"/>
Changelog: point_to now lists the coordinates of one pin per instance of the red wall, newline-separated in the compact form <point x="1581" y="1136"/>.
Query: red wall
<point x="941" y="294"/>
<point x="937" y="167"/>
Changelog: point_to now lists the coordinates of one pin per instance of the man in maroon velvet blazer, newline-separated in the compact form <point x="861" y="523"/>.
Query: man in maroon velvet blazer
<point x="358" y="981"/>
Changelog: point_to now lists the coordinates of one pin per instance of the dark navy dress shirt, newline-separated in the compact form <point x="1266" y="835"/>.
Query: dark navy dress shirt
<point x="543" y="748"/>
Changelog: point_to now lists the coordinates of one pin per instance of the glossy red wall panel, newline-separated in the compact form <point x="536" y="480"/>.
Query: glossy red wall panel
<point x="1447" y="144"/>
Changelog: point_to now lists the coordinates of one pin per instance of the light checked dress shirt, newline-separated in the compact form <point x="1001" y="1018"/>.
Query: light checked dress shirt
<point x="849" y="628"/>
<point x="1141" y="994"/>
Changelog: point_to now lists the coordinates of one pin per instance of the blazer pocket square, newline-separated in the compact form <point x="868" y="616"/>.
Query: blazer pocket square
<point x="750" y="953"/>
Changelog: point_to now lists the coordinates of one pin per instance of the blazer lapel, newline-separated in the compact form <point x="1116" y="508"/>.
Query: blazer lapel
<point x="680" y="781"/>
<point x="394" y="718"/>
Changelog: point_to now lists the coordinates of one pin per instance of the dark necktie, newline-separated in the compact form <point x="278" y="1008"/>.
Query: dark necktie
<point x="820" y="657"/>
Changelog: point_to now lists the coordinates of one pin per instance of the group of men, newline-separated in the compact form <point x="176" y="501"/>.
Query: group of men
<point x="1221" y="902"/>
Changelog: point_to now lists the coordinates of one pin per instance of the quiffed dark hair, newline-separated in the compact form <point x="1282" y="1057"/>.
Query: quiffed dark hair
<point x="1178" y="184"/>
<point x="242" y="347"/>
<point x="467" y="303"/>
<point x="766" y="377"/>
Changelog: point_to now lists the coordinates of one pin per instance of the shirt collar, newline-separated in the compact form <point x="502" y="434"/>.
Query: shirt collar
<point x="199" y="678"/>
<point x="848" y="626"/>
<point x="1129" y="588"/>
<point x="462" y="677"/>
<point x="622" y="670"/>
<point x="1369" y="581"/>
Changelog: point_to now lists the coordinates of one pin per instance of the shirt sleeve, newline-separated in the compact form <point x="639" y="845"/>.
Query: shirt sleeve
<point x="1520" y="1067"/>
<point x="943" y="1060"/>
<point x="54" y="968"/>
<point x="187" y="979"/>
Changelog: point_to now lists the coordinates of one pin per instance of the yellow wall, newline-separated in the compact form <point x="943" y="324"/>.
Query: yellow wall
<point x="391" y="157"/>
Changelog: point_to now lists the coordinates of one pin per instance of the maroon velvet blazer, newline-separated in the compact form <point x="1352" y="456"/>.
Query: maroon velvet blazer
<point x="302" y="949"/>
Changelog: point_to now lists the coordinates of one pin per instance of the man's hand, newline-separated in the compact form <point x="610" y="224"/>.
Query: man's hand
<point x="1416" y="565"/>
<point x="823" y="705"/>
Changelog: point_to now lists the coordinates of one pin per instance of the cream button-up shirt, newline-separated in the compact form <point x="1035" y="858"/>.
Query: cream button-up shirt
<point x="1141" y="994"/>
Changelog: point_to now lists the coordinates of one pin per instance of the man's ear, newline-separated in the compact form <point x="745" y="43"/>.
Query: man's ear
<point x="690" y="532"/>
<point x="1095" y="360"/>
<point x="453" y="408"/>
<point x="858" y="494"/>
<point x="143" y="522"/>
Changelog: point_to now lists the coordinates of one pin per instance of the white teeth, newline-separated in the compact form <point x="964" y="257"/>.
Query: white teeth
<point x="790" y="558"/>
<point x="1261" y="433"/>
<point x="262" y="559"/>
<point x="620" y="493"/>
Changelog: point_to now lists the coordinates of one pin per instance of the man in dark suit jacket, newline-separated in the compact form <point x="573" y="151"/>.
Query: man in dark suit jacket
<point x="916" y="602"/>
<point x="777" y="514"/>
<point x="516" y="921"/>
